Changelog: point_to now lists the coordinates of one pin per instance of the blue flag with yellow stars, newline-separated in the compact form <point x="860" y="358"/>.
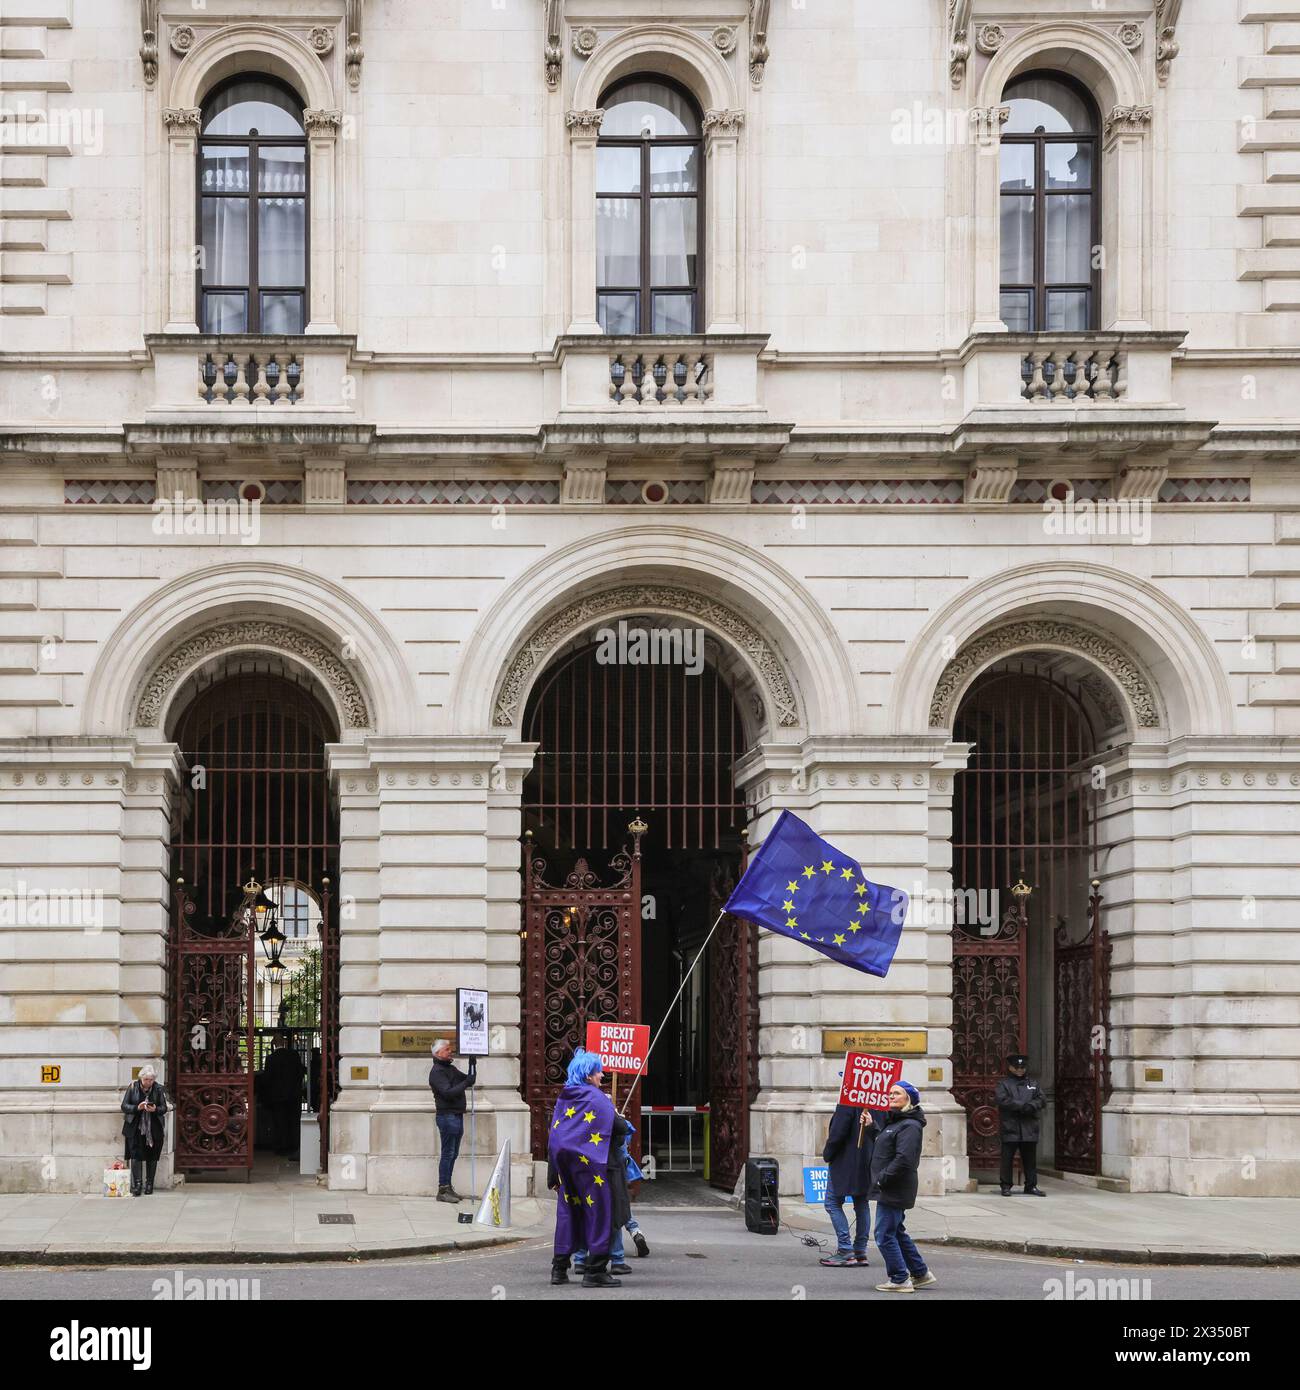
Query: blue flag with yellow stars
<point x="801" y="886"/>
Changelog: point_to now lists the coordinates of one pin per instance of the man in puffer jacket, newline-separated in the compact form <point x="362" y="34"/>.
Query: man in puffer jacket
<point x="894" y="1166"/>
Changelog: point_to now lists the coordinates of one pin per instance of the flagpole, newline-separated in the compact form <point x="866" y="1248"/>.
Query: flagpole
<point x="631" y="1090"/>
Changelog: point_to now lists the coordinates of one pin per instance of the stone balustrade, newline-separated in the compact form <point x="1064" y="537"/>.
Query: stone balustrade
<point x="663" y="378"/>
<point x="248" y="377"/>
<point x="626" y="375"/>
<point x="1078" y="373"/>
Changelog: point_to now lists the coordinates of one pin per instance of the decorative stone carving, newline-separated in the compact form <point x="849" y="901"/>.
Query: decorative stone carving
<point x="989" y="38"/>
<point x="1021" y="636"/>
<point x="1102" y="694"/>
<point x="1166" y="45"/>
<point x="585" y="41"/>
<point x="321" y="39"/>
<point x="149" y="40"/>
<point x="554" y="49"/>
<point x="1127" y="120"/>
<point x="181" y="40"/>
<point x="724" y="39"/>
<point x="1130" y="35"/>
<point x="584" y="481"/>
<point x="252" y="632"/>
<point x="987" y="122"/>
<point x="182" y="118"/>
<point x="759" y="14"/>
<point x="1138" y="480"/>
<point x="723" y="122"/>
<point x="630" y="598"/>
<point x="958" y="47"/>
<point x="584" y="123"/>
<point x="355" y="53"/>
<point x="991" y="480"/>
<point x="732" y="481"/>
<point x="318" y="121"/>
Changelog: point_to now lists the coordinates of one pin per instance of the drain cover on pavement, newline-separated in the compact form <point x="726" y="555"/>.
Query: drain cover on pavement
<point x="336" y="1218"/>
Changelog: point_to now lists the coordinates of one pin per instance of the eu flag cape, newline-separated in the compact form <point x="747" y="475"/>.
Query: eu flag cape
<point x="801" y="886"/>
<point x="582" y="1128"/>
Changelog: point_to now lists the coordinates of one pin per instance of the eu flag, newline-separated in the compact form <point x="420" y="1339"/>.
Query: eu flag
<point x="803" y="887"/>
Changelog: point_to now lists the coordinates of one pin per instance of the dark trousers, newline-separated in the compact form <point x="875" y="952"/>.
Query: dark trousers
<point x="901" y="1256"/>
<point x="286" y="1128"/>
<point x="1028" y="1160"/>
<point x="450" y="1130"/>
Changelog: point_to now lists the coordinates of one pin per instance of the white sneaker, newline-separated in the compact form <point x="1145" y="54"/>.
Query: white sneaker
<point x="926" y="1281"/>
<point x="890" y="1287"/>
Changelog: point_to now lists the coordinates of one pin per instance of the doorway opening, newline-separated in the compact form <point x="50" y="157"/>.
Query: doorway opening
<point x="253" y="950"/>
<point x="1030" y="956"/>
<point x="641" y="756"/>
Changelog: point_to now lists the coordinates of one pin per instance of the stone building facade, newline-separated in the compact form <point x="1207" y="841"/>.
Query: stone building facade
<point x="834" y="455"/>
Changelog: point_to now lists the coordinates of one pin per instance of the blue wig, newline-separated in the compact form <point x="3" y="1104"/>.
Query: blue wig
<point x="582" y="1067"/>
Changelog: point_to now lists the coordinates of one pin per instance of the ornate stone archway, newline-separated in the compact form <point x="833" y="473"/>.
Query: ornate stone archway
<point x="1129" y="680"/>
<point x="778" y="694"/>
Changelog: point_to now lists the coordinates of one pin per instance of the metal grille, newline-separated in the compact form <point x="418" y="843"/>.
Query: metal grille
<point x="256" y="805"/>
<point x="1024" y="816"/>
<point x="621" y="740"/>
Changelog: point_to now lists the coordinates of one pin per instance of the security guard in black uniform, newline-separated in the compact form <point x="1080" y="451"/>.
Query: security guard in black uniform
<point x="1019" y="1102"/>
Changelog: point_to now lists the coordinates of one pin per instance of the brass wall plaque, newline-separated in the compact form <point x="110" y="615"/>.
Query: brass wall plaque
<point x="882" y="1042"/>
<point x="1155" y="1073"/>
<point x="51" y="1074"/>
<point x="412" y="1039"/>
<point x="936" y="1074"/>
<point x="361" y="1073"/>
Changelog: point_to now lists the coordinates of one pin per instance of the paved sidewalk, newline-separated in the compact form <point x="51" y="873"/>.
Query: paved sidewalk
<point x="209" y="1222"/>
<point x="1079" y="1221"/>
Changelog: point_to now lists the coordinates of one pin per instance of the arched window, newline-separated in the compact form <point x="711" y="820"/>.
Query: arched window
<point x="648" y="226"/>
<point x="252" y="182"/>
<point x="1049" y="178"/>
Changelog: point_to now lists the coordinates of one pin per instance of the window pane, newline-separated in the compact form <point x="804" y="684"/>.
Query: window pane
<point x="1015" y="310"/>
<point x="225" y="313"/>
<point x="618" y="169"/>
<point x="674" y="168"/>
<point x="1017" y="233"/>
<point x="1039" y="103"/>
<point x="674" y="313"/>
<point x="618" y="241"/>
<point x="225" y="241"/>
<point x="673" y="242"/>
<point x="617" y="313"/>
<point x="252" y="105"/>
<point x="647" y="111"/>
<point x="1067" y="166"/>
<point x="1067" y="311"/>
<point x="1017" y="166"/>
<point x="1069" y="238"/>
<point x="282" y="313"/>
<point x="223" y="169"/>
<point x="282" y="169"/>
<point x="281" y="239"/>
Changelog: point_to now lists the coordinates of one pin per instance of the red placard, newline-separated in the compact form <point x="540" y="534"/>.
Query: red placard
<point x="867" y="1079"/>
<point x="622" y="1047"/>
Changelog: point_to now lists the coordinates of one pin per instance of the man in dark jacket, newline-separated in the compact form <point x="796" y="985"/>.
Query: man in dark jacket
<point x="848" y="1178"/>
<point x="283" y="1075"/>
<point x="1019" y="1102"/>
<point x="449" y="1085"/>
<point x="894" y="1166"/>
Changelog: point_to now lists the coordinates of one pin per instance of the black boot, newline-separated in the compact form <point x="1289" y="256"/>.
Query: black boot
<point x="136" y="1177"/>
<point x="149" y="1170"/>
<point x="597" y="1275"/>
<point x="560" y="1269"/>
<point x="445" y="1194"/>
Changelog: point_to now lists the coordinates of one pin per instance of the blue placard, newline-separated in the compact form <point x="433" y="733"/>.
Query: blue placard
<point x="814" y="1186"/>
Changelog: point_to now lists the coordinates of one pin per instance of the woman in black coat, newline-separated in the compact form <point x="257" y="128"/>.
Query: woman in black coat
<point x="145" y="1106"/>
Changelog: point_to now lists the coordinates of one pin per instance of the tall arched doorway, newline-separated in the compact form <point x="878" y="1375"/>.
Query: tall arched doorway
<point x="1029" y="953"/>
<point x="610" y="937"/>
<point x="253" y="950"/>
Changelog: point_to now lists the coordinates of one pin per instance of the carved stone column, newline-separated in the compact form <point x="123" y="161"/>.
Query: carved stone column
<point x="584" y="129"/>
<point x="182" y="125"/>
<point x="986" y="131"/>
<point x="722" y="237"/>
<point x="1126" y="154"/>
<point x="322" y="143"/>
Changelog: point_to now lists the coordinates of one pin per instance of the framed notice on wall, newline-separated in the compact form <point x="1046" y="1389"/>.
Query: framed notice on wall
<point x="472" y="1022"/>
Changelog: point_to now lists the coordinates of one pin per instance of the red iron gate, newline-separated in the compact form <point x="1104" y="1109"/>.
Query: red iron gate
<point x="733" y="1040"/>
<point x="582" y="963"/>
<point x="1082" y="1081"/>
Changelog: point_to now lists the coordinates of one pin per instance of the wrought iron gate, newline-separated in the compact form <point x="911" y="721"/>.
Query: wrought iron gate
<point x="1024" y="840"/>
<point x="256" y="804"/>
<point x="582" y="963"/>
<point x="733" y="1040"/>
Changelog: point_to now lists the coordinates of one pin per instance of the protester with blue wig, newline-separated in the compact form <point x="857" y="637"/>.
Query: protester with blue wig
<point x="622" y="1168"/>
<point x="581" y="1149"/>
